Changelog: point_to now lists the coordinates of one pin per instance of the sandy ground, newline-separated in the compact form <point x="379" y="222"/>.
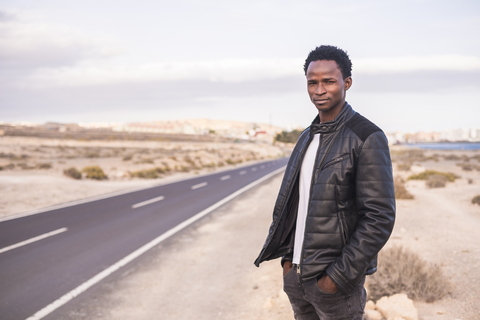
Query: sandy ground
<point x="207" y="272"/>
<point x="25" y="186"/>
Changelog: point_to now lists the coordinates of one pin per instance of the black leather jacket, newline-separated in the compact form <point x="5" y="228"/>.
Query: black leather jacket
<point x="351" y="209"/>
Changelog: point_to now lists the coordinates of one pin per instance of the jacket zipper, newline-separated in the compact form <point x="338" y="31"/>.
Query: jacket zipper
<point x="333" y="161"/>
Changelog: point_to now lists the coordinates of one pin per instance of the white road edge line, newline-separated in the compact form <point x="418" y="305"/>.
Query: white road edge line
<point x="225" y="177"/>
<point x="105" y="273"/>
<point x="144" y="203"/>
<point x="203" y="184"/>
<point x="40" y="237"/>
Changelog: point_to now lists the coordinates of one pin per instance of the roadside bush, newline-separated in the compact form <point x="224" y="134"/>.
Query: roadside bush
<point x="146" y="160"/>
<point x="94" y="172"/>
<point x="92" y="154"/>
<point x="425" y="174"/>
<point x="127" y="157"/>
<point x="25" y="166"/>
<point x="401" y="270"/>
<point x="288" y="136"/>
<point x="45" y="165"/>
<point x="400" y="191"/>
<point x="451" y="157"/>
<point x="466" y="166"/>
<point x="476" y="200"/>
<point x="404" y="166"/>
<point x="145" y="174"/>
<point x="183" y="169"/>
<point x="73" y="173"/>
<point x="436" y="181"/>
<point x="9" y="166"/>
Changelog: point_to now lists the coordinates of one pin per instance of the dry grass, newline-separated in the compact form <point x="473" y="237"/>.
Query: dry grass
<point x="73" y="173"/>
<point x="94" y="172"/>
<point x="436" y="181"/>
<point x="402" y="271"/>
<point x="466" y="166"/>
<point x="146" y="174"/>
<point x="476" y="200"/>
<point x="404" y="166"/>
<point x="426" y="174"/>
<point x="400" y="191"/>
<point x="411" y="156"/>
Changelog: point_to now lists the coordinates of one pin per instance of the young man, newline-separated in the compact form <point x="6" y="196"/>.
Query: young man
<point x="336" y="206"/>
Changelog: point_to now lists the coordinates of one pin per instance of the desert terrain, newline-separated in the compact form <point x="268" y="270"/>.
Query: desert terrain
<point x="207" y="272"/>
<point x="32" y="169"/>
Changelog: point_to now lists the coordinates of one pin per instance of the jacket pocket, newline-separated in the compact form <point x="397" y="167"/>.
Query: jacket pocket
<point x="336" y="160"/>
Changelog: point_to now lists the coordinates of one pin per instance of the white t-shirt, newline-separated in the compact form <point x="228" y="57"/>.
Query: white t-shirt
<point x="306" y="172"/>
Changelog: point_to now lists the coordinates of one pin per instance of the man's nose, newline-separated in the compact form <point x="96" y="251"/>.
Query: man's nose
<point x="320" y="89"/>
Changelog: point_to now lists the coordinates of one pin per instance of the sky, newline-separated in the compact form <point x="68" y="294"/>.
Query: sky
<point x="416" y="64"/>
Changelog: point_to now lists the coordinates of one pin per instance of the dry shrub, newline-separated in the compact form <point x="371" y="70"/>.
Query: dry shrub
<point x="400" y="270"/>
<point x="436" y="181"/>
<point x="404" y="166"/>
<point x="145" y="174"/>
<point x="127" y="157"/>
<point x="476" y="200"/>
<point x="9" y="166"/>
<point x="44" y="165"/>
<point x="73" y="173"/>
<point x="94" y="172"/>
<point x="451" y="157"/>
<point x="425" y="174"/>
<point x="400" y="191"/>
<point x="26" y="166"/>
<point x="467" y="166"/>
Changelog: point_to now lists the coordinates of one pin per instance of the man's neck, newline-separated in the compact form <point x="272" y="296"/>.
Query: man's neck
<point x="331" y="114"/>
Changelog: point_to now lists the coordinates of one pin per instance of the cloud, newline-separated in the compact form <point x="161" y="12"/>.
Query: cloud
<point x="406" y="64"/>
<point x="235" y="70"/>
<point x="27" y="45"/>
<point x="229" y="70"/>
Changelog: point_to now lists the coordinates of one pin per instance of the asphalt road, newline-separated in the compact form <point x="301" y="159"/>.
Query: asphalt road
<point x="43" y="257"/>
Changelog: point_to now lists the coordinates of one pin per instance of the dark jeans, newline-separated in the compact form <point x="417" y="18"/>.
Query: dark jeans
<point x="311" y="303"/>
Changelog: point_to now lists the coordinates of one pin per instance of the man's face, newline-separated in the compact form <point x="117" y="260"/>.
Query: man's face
<point x="327" y="88"/>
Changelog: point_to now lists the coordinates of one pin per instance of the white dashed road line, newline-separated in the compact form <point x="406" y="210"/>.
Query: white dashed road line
<point x="144" y="203"/>
<point x="262" y="167"/>
<point x="254" y="169"/>
<point x="40" y="237"/>
<point x="225" y="177"/>
<point x="203" y="184"/>
<point x="242" y="172"/>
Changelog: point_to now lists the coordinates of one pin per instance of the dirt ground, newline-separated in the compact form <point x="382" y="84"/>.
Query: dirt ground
<point x="31" y="169"/>
<point x="207" y="271"/>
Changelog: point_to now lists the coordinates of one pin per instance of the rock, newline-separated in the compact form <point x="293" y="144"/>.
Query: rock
<point x="397" y="307"/>
<point x="370" y="305"/>
<point x="268" y="304"/>
<point x="371" y="314"/>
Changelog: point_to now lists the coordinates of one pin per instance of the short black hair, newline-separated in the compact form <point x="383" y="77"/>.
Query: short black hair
<point x="336" y="54"/>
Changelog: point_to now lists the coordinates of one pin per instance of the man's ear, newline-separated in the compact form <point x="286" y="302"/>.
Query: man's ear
<point x="348" y="83"/>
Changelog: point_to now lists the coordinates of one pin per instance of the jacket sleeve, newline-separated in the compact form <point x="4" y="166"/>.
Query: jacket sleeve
<point x="375" y="202"/>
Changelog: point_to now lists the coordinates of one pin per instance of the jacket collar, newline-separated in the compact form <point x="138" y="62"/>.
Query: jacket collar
<point x="327" y="127"/>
